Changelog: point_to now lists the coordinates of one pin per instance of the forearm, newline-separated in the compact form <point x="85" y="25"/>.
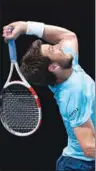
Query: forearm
<point x="86" y="137"/>
<point x="50" y="33"/>
<point x="54" y="34"/>
<point x="90" y="151"/>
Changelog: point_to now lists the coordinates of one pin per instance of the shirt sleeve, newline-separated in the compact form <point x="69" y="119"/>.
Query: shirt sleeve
<point x="78" y="109"/>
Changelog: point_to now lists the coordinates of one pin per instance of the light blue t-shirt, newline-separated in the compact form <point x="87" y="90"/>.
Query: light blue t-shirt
<point x="76" y="100"/>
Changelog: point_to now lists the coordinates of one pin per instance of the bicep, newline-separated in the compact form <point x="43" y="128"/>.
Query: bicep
<point x="85" y="133"/>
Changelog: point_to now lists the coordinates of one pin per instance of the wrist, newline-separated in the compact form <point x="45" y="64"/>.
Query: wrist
<point x="35" y="28"/>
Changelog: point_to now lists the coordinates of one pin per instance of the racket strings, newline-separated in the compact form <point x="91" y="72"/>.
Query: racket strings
<point x="19" y="109"/>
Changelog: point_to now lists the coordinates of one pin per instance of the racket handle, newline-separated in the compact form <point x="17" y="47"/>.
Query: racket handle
<point x="12" y="50"/>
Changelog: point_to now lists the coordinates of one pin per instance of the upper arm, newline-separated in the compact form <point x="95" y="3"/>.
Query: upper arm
<point x="62" y="36"/>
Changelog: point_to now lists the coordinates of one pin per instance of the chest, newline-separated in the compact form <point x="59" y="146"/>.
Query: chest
<point x="62" y="99"/>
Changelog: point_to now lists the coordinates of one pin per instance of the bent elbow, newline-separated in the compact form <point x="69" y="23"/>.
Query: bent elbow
<point x="70" y="35"/>
<point x="74" y="35"/>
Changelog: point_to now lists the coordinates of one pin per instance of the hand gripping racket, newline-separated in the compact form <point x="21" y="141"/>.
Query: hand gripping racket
<point x="21" y="109"/>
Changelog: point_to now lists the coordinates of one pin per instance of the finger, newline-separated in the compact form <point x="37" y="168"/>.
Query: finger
<point x="8" y="34"/>
<point x="9" y="37"/>
<point x="6" y="27"/>
<point x="8" y="31"/>
<point x="15" y="33"/>
<point x="11" y="24"/>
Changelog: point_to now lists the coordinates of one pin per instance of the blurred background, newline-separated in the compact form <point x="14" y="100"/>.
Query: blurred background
<point x="41" y="150"/>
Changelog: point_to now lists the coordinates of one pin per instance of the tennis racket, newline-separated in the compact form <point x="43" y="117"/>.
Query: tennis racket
<point x="21" y="109"/>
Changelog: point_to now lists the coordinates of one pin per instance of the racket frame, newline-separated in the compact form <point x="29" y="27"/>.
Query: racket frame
<point x="23" y="82"/>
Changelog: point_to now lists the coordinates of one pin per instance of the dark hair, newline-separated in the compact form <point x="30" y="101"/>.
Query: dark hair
<point x="34" y="66"/>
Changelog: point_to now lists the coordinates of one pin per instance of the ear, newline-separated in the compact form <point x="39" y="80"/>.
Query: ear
<point x="53" y="67"/>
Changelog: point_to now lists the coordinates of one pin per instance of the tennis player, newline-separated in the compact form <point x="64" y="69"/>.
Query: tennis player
<point x="56" y="64"/>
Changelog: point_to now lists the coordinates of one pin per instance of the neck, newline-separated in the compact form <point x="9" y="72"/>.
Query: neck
<point x="63" y="75"/>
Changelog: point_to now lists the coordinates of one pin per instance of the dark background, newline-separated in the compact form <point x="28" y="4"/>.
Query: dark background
<point x="41" y="150"/>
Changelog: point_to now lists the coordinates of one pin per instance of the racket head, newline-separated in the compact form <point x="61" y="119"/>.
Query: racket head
<point x="21" y="109"/>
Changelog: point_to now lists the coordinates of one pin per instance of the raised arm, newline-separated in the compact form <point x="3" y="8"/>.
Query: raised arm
<point x="50" y="33"/>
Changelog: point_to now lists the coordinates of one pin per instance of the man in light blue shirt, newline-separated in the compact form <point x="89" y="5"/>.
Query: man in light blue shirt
<point x="56" y="64"/>
<point x="76" y="99"/>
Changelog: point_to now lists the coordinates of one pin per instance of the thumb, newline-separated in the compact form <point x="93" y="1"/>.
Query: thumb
<point x="13" y="33"/>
